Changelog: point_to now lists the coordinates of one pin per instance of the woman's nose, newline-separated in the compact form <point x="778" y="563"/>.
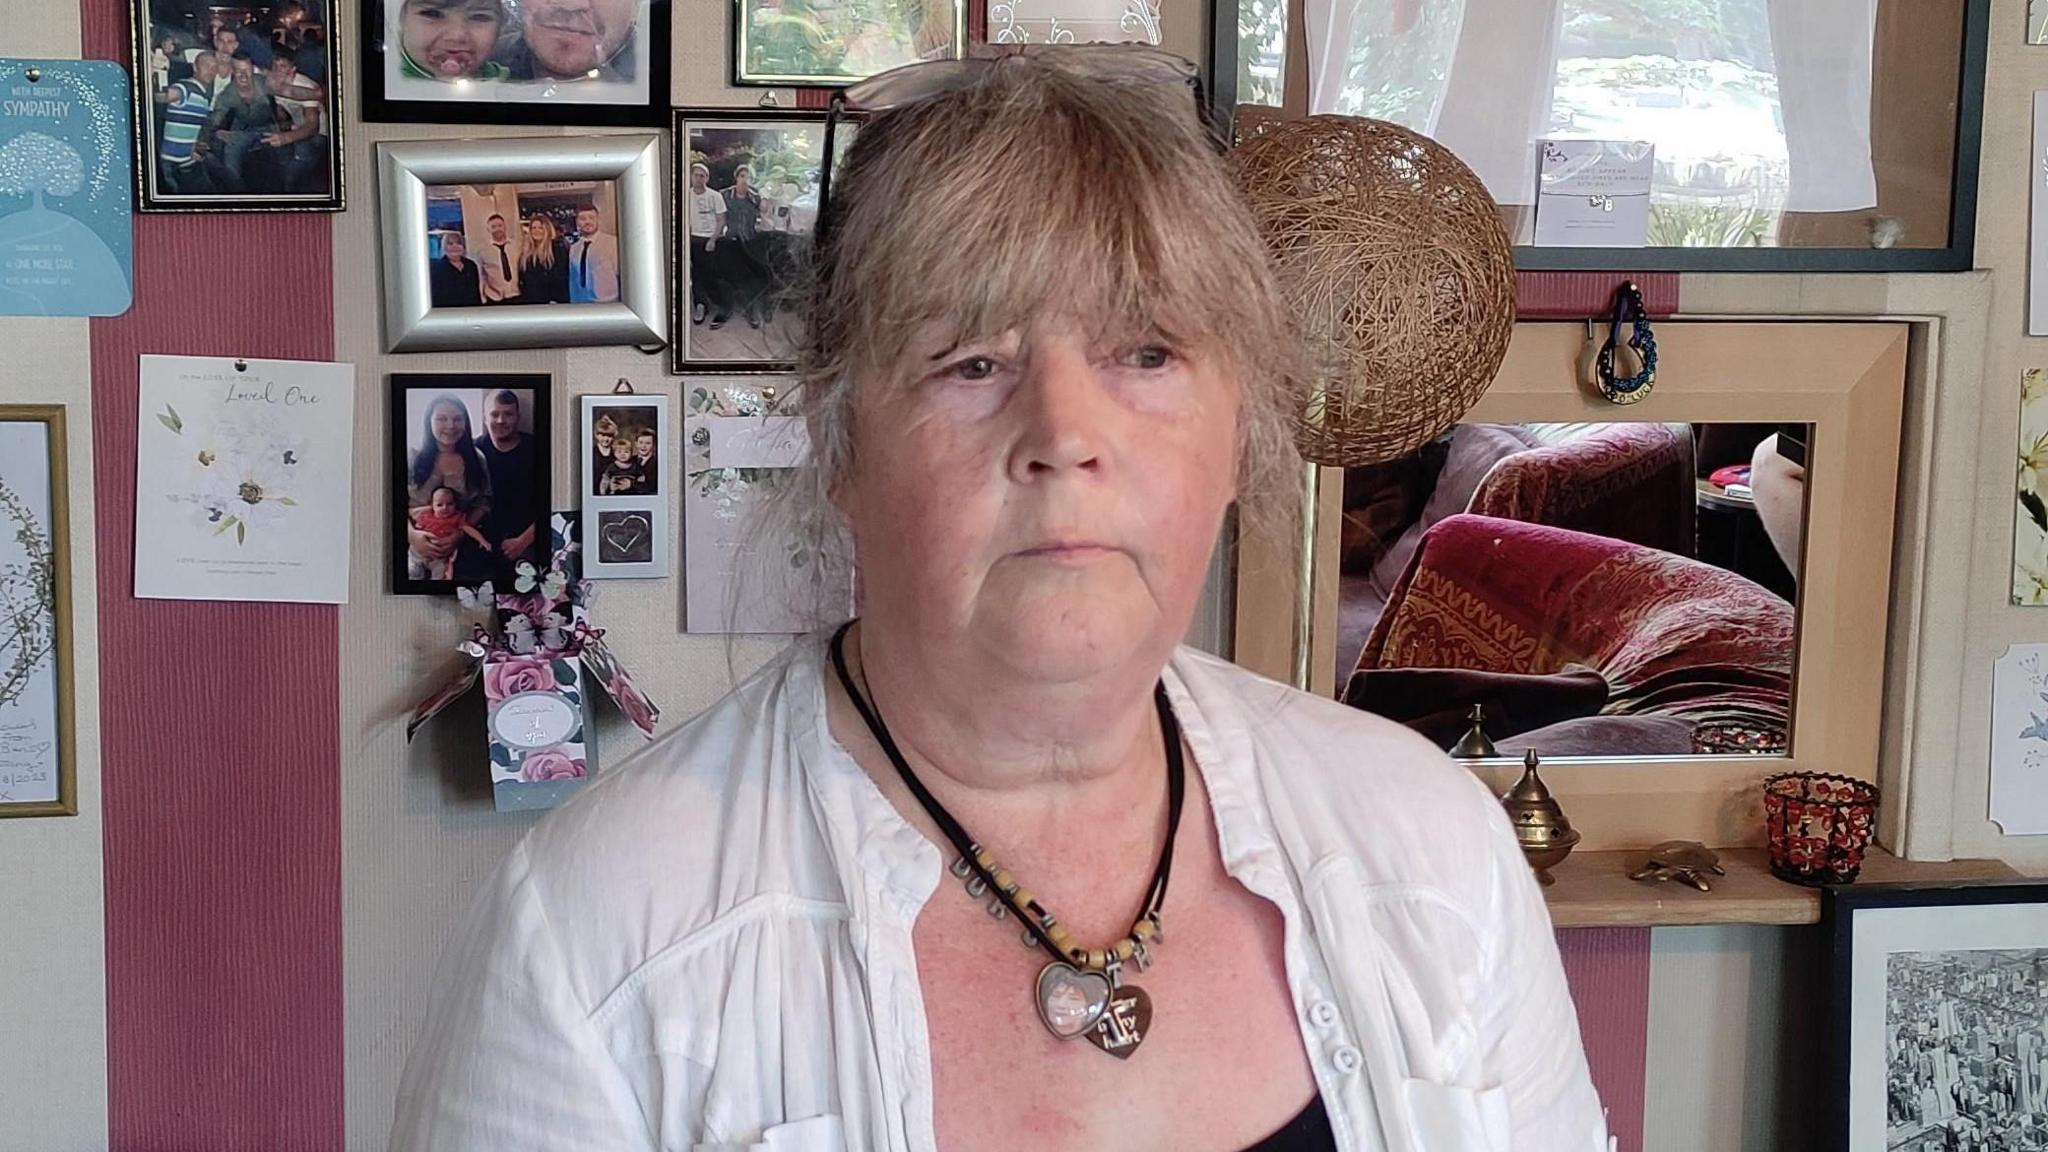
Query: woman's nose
<point x="1065" y="413"/>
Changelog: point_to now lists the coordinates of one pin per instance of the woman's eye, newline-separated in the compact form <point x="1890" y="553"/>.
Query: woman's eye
<point x="973" y="368"/>
<point x="1151" y="357"/>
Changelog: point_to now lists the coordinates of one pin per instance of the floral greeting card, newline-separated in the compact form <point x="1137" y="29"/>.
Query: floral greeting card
<point x="242" y="479"/>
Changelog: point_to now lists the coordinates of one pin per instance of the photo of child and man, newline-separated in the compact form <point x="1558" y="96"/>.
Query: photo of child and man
<point x="624" y="451"/>
<point x="554" y="243"/>
<point x="751" y="202"/>
<point x="475" y="484"/>
<point x="516" y="49"/>
<point x="239" y="102"/>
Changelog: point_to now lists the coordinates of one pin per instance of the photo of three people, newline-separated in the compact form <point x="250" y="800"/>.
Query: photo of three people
<point x="473" y="479"/>
<point x="502" y="244"/>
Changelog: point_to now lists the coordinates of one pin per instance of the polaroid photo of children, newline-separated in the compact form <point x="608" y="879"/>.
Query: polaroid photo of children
<point x="625" y="496"/>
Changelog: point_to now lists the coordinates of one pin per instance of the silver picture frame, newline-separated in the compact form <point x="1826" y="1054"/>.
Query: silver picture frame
<point x="630" y="163"/>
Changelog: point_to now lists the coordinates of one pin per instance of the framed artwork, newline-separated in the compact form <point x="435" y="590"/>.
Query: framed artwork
<point x="830" y="43"/>
<point x="516" y="61"/>
<point x="1937" y="1003"/>
<point x="38" y="775"/>
<point x="624" y="494"/>
<point x="237" y="108"/>
<point x="749" y="568"/>
<point x="746" y="204"/>
<point x="530" y="243"/>
<point x="470" y="478"/>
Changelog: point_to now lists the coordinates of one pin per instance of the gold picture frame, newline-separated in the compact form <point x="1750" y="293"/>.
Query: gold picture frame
<point x="1846" y="380"/>
<point x="52" y="419"/>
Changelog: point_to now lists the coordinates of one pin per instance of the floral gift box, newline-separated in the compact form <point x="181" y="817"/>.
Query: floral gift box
<point x="533" y="670"/>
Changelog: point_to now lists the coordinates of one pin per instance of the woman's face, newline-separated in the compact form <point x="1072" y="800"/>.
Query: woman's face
<point x="451" y="425"/>
<point x="450" y="38"/>
<point x="1043" y="503"/>
<point x="537" y="230"/>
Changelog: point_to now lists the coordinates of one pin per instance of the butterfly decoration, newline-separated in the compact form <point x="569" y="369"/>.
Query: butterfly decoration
<point x="476" y="598"/>
<point x="550" y="585"/>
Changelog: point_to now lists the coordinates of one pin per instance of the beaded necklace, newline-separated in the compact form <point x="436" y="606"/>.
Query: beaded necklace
<point x="1082" y="992"/>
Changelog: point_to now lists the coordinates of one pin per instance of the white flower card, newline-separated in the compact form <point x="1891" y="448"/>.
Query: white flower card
<point x="242" y="479"/>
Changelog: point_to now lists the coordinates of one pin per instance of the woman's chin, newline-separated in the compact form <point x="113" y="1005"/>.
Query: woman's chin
<point x="1068" y="639"/>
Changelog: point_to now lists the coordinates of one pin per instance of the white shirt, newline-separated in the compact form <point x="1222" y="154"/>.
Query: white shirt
<point x="709" y="948"/>
<point x="705" y="209"/>
<point x="598" y="257"/>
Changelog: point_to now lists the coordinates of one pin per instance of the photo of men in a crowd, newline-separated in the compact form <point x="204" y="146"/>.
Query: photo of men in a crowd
<point x="1966" y="1051"/>
<point x="429" y="57"/>
<point x="510" y="244"/>
<point x="237" y="107"/>
<point x="471" y="490"/>
<point x="747" y="203"/>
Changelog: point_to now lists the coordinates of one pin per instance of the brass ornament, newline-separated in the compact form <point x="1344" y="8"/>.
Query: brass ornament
<point x="1475" y="744"/>
<point x="1680" y="860"/>
<point x="1541" y="828"/>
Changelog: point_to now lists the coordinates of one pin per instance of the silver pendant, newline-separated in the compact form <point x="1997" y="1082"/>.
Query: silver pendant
<point x="1125" y="1022"/>
<point x="1070" y="1001"/>
<point x="1074" y="1003"/>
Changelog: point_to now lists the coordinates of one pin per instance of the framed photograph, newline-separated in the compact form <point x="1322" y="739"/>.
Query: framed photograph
<point x="37" y="774"/>
<point x="624" y="494"/>
<point x="532" y="243"/>
<point x="1937" y="1000"/>
<point x="516" y="61"/>
<point x="470" y="480"/>
<point x="829" y="44"/>
<point x="237" y="107"/>
<point x="746" y="204"/>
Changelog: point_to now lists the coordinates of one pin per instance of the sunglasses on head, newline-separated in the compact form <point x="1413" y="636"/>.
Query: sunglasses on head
<point x="914" y="83"/>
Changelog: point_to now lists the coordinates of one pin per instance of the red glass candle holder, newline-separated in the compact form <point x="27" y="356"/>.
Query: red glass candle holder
<point x="1818" y="826"/>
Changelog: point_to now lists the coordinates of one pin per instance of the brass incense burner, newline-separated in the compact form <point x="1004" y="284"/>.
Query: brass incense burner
<point x="1546" y="836"/>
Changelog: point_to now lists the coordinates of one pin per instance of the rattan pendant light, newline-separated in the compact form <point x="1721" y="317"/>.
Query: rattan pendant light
<point x="1399" y="271"/>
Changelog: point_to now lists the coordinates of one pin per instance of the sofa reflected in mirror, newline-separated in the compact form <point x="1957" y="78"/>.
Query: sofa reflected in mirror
<point x="1665" y="600"/>
<point x="1622" y="589"/>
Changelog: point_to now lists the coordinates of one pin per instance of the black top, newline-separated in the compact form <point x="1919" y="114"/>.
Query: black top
<point x="1308" y="1132"/>
<point x="513" y="499"/>
<point x="452" y="287"/>
<point x="539" y="284"/>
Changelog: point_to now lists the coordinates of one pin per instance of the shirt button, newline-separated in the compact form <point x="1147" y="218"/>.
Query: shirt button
<point x="1346" y="1059"/>
<point x="1323" y="1014"/>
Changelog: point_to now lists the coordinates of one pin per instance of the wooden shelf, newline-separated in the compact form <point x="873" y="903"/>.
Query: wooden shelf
<point x="1593" y="890"/>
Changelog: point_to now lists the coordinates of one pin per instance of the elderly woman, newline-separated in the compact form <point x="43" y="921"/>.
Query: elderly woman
<point x="999" y="866"/>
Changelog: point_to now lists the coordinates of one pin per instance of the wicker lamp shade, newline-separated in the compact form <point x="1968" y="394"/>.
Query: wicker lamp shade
<point x="1399" y="272"/>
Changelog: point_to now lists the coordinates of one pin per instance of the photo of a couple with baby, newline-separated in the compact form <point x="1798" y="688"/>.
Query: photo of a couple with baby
<point x="473" y="482"/>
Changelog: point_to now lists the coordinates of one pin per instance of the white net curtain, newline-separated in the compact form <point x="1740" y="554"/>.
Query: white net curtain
<point x="1756" y="107"/>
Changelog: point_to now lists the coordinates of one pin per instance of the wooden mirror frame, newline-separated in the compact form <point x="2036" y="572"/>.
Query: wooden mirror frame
<point x="1847" y="380"/>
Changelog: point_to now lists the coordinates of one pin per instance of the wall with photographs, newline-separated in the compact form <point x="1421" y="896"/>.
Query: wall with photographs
<point x="275" y="889"/>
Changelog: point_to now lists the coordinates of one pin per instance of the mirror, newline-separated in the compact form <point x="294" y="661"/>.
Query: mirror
<point x="1594" y="589"/>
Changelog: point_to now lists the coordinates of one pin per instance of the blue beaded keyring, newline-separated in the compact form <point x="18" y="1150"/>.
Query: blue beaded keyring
<point x="1628" y="309"/>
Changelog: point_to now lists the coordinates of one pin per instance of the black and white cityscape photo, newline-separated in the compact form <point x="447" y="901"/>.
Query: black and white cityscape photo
<point x="1966" y="1062"/>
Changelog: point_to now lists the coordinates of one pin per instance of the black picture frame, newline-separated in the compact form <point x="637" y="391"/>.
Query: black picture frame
<point x="683" y="333"/>
<point x="380" y="107"/>
<point x="151" y="191"/>
<point x="400" y="421"/>
<point x="1841" y="907"/>
<point x="1959" y="255"/>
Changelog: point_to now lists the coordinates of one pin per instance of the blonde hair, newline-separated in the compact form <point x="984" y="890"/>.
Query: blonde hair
<point x="1038" y="190"/>
<point x="540" y="255"/>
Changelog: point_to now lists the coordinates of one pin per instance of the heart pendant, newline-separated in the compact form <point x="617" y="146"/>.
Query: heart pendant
<point x="1124" y="1023"/>
<point x="1071" y="1001"/>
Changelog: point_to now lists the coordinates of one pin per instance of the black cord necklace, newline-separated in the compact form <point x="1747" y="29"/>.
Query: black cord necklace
<point x="1082" y="991"/>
